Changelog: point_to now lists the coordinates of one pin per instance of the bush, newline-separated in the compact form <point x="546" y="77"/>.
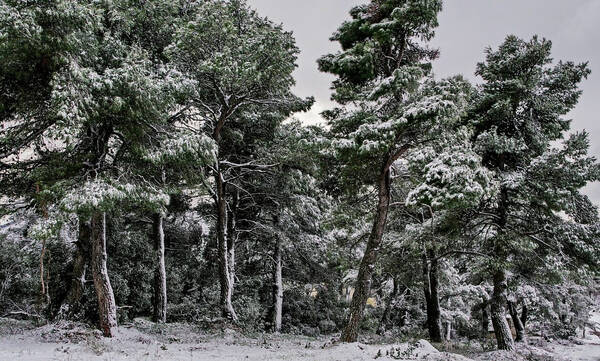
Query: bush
<point x="19" y="276"/>
<point x="186" y="311"/>
<point x="304" y="314"/>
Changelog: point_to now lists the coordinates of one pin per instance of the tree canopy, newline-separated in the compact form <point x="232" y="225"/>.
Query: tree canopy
<point x="152" y="146"/>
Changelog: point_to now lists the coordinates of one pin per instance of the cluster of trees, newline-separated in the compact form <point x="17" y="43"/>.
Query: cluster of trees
<point x="159" y="133"/>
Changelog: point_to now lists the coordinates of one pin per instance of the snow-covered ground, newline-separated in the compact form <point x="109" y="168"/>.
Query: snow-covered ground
<point x="589" y="351"/>
<point x="147" y="342"/>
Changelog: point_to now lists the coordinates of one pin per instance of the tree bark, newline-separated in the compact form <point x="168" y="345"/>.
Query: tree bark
<point x="160" y="274"/>
<point x="107" y="309"/>
<point x="363" y="281"/>
<point x="231" y="237"/>
<point x="277" y="287"/>
<point x="448" y="330"/>
<point x="44" y="289"/>
<point x="224" y="276"/>
<point x="432" y="300"/>
<point x="519" y="327"/>
<point x="498" y="301"/>
<point x="524" y="315"/>
<point x="485" y="319"/>
<point x="501" y="328"/>
<point x="71" y="304"/>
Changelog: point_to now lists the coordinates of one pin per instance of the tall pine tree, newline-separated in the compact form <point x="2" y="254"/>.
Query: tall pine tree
<point x="519" y="114"/>
<point x="390" y="109"/>
<point x="241" y="66"/>
<point x="82" y="94"/>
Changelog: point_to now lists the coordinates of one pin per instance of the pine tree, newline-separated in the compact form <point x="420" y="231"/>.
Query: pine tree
<point x="287" y="200"/>
<point x="381" y="71"/>
<point x="87" y="96"/>
<point x="241" y="66"/>
<point x="518" y="114"/>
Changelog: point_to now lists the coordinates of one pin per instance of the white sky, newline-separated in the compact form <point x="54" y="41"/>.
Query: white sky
<point x="466" y="28"/>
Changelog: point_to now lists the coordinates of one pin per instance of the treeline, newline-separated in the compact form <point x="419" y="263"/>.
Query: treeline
<point x="147" y="148"/>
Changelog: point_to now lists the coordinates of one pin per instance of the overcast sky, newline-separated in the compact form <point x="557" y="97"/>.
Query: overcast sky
<point x="466" y="28"/>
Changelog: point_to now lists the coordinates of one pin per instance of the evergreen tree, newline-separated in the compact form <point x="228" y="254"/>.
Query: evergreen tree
<point x="288" y="202"/>
<point x="390" y="109"/>
<point x="99" y="95"/>
<point x="518" y="115"/>
<point x="239" y="63"/>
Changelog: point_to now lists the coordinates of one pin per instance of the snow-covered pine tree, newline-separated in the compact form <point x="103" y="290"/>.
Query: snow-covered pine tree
<point x="519" y="115"/>
<point x="175" y="158"/>
<point x="442" y="181"/>
<point x="80" y="95"/>
<point x="173" y="161"/>
<point x="390" y="108"/>
<point x="239" y="62"/>
<point x="288" y="206"/>
<point x="556" y="252"/>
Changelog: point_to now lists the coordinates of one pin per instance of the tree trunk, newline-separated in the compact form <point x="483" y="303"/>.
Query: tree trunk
<point x="363" y="281"/>
<point x="524" y="315"/>
<point x="501" y="328"/>
<point x="388" y="307"/>
<point x="231" y="237"/>
<point x="519" y="327"/>
<point x="277" y="287"/>
<point x="71" y="304"/>
<point x="44" y="289"/>
<point x="107" y="309"/>
<point x="432" y="300"/>
<point x="224" y="276"/>
<point x="160" y="274"/>
<point x="44" y="299"/>
<point x="485" y="320"/>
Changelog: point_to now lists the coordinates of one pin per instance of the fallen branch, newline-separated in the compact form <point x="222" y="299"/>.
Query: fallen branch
<point x="21" y="315"/>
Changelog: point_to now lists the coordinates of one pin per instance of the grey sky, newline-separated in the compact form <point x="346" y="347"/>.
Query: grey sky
<point x="466" y="28"/>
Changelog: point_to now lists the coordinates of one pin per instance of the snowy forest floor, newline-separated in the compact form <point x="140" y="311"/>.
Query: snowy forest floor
<point x="145" y="341"/>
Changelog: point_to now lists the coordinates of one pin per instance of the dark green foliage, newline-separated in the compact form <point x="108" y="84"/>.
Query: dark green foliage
<point x="58" y="276"/>
<point x="131" y="263"/>
<point x="379" y="34"/>
<point x="322" y="312"/>
<point x="138" y="107"/>
<point x="19" y="282"/>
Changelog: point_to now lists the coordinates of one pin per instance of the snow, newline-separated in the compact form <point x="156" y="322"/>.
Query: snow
<point x="147" y="341"/>
<point x="183" y="342"/>
<point x="588" y="351"/>
<point x="98" y="193"/>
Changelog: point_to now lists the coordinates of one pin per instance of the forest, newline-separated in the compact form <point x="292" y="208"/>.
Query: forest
<point x="158" y="193"/>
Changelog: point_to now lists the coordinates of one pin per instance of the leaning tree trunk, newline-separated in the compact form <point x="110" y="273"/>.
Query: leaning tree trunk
<point x="519" y="327"/>
<point x="71" y="304"/>
<point x="501" y="328"/>
<point x="432" y="300"/>
<point x="363" y="281"/>
<point x="277" y="286"/>
<point x="224" y="276"/>
<point x="160" y="274"/>
<point x="107" y="309"/>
